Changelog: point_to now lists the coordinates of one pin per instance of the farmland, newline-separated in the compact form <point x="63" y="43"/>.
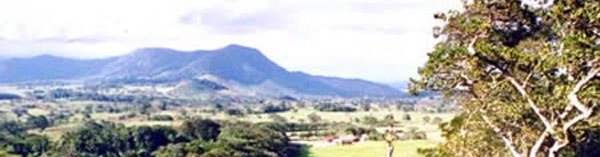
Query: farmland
<point x="308" y="123"/>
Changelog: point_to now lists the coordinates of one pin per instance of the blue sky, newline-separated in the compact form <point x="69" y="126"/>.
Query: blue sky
<point x="379" y="40"/>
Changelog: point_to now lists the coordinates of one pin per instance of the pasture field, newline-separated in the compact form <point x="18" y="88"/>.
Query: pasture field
<point x="372" y="149"/>
<point x="300" y="115"/>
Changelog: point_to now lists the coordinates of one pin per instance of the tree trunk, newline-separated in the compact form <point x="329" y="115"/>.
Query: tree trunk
<point x="390" y="149"/>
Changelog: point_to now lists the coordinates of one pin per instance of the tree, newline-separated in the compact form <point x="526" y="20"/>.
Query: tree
<point x="406" y="117"/>
<point x="245" y="139"/>
<point x="277" y="118"/>
<point x="426" y="119"/>
<point x="389" y="119"/>
<point x="108" y="139"/>
<point x="437" y="120"/>
<point x="270" y="108"/>
<point x="370" y="120"/>
<point x="12" y="127"/>
<point x="525" y="71"/>
<point x="314" y="118"/>
<point x="19" y="112"/>
<point x="234" y="112"/>
<point x="38" y="122"/>
<point x="327" y="107"/>
<point x="203" y="129"/>
<point x="28" y="145"/>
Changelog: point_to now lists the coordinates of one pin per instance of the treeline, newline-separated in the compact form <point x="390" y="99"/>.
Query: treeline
<point x="196" y="137"/>
<point x="327" y="107"/>
<point x="6" y="96"/>
<point x="70" y="94"/>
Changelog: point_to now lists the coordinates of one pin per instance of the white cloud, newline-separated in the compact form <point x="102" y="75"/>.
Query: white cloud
<point x="375" y="40"/>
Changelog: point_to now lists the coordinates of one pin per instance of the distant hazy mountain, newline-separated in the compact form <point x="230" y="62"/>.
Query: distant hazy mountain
<point x="233" y="67"/>
<point x="400" y="85"/>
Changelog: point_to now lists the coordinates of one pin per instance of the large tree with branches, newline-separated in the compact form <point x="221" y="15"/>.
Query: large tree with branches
<point x="527" y="74"/>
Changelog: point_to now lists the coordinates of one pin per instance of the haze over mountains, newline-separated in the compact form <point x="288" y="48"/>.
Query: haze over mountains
<point x="234" y="67"/>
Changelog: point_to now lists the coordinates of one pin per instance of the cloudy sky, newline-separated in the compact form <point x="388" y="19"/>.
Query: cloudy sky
<point x="379" y="40"/>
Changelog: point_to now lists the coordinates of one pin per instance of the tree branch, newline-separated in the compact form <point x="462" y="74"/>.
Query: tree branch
<point x="573" y="99"/>
<point x="536" y="147"/>
<point x="532" y="104"/>
<point x="575" y="102"/>
<point x="507" y="142"/>
<point x="512" y="80"/>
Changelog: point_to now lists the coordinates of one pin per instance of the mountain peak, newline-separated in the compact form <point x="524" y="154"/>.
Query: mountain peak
<point x="153" y="50"/>
<point x="241" y="69"/>
<point x="239" y="48"/>
<point x="47" y="57"/>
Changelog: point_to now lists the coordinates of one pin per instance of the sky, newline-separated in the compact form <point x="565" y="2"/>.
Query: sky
<point x="377" y="40"/>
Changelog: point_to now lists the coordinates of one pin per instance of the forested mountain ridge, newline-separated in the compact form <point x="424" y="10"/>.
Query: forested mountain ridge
<point x="233" y="65"/>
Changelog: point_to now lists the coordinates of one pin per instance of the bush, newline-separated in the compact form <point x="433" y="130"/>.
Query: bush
<point x="233" y="112"/>
<point x="314" y="118"/>
<point x="109" y="139"/>
<point x="406" y="117"/>
<point x="202" y="129"/>
<point x="161" y="118"/>
<point x="28" y="144"/>
<point x="274" y="108"/>
<point x="426" y="119"/>
<point x="277" y="118"/>
<point x="334" y="108"/>
<point x="357" y="131"/>
<point x="437" y="120"/>
<point x="413" y="133"/>
<point x="6" y="96"/>
<point x="374" y="136"/>
<point x="370" y="120"/>
<point x="40" y="122"/>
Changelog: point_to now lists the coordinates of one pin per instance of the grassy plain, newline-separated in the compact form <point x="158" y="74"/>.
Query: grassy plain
<point x="372" y="149"/>
<point x="361" y="149"/>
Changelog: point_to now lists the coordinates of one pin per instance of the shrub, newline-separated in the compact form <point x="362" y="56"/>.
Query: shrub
<point x="270" y="108"/>
<point x="406" y="117"/>
<point x="161" y="118"/>
<point x="233" y="112"/>
<point x="334" y="108"/>
<point x="314" y="118"/>
<point x="277" y="118"/>
<point x="437" y="120"/>
<point x="426" y="119"/>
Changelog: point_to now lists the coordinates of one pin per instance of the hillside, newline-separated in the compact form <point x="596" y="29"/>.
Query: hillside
<point x="233" y="67"/>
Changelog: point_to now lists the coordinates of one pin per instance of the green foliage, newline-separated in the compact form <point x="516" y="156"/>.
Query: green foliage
<point x="406" y="117"/>
<point x="327" y="107"/>
<point x="201" y="129"/>
<point x="234" y="112"/>
<point x="28" y="144"/>
<point x="437" y="120"/>
<point x="277" y="118"/>
<point x="413" y="133"/>
<point x="426" y="119"/>
<point x="270" y="108"/>
<point x="107" y="139"/>
<point x="15" y="139"/>
<point x="12" y="127"/>
<point x="370" y="120"/>
<point x="358" y="131"/>
<point x="260" y="140"/>
<point x="40" y="122"/>
<point x="523" y="73"/>
<point x="161" y="118"/>
<point x="314" y="118"/>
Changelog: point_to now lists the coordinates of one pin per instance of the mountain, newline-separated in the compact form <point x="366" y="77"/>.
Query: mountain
<point x="234" y="67"/>
<point x="400" y="85"/>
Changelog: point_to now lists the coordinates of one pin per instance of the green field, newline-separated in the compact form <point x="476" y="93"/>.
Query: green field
<point x="372" y="149"/>
<point x="300" y="115"/>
